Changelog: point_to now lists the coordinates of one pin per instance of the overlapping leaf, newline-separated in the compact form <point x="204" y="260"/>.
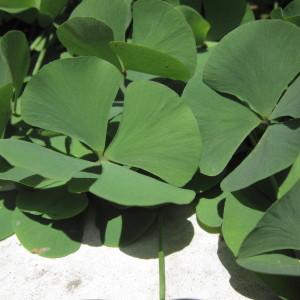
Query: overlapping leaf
<point x="125" y="187"/>
<point x="223" y="123"/>
<point x="47" y="238"/>
<point x="78" y="104"/>
<point x="73" y="97"/>
<point x="147" y="137"/>
<point x="277" y="230"/>
<point x="7" y="204"/>
<point x="266" y="81"/>
<point x="162" y="42"/>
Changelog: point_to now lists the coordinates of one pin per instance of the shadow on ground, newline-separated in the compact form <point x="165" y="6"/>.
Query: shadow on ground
<point x="244" y="282"/>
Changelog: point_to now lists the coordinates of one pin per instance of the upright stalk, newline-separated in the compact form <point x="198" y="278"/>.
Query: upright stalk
<point x="161" y="259"/>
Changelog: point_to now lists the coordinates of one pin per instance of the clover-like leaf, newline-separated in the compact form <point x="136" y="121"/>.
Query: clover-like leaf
<point x="116" y="14"/>
<point x="208" y="210"/>
<point x="199" y="25"/>
<point x="243" y="63"/>
<point x="223" y="16"/>
<point x="289" y="105"/>
<point x="15" y="53"/>
<point x="123" y="186"/>
<point x="26" y="177"/>
<point x="87" y="36"/>
<point x="73" y="96"/>
<point x="40" y="160"/>
<point x="7" y="206"/>
<point x="162" y="42"/>
<point x="242" y="211"/>
<point x="292" y="178"/>
<point x="54" y="204"/>
<point x="148" y="139"/>
<point x="277" y="230"/>
<point x="218" y="119"/>
<point x="47" y="238"/>
<point x="277" y="149"/>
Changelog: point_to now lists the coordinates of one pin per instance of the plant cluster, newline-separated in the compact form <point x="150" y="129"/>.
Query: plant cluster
<point x="125" y="108"/>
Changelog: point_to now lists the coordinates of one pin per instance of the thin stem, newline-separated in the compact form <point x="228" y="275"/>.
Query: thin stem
<point x="39" y="61"/>
<point x="161" y="260"/>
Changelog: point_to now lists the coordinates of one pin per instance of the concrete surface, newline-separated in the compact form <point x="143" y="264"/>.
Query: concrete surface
<point x="203" y="269"/>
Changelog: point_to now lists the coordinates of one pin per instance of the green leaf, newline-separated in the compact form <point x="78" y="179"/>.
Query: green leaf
<point x="16" y="6"/>
<point x="199" y="25"/>
<point x="134" y="189"/>
<point x="15" y="51"/>
<point x="289" y="105"/>
<point x="6" y="93"/>
<point x="52" y="239"/>
<point x="208" y="211"/>
<point x="292" y="178"/>
<point x="277" y="149"/>
<point x="290" y="13"/>
<point x="40" y="160"/>
<point x="55" y="204"/>
<point x="242" y="211"/>
<point x="218" y="119"/>
<point x="273" y="263"/>
<point x="82" y="35"/>
<point x="147" y="137"/>
<point x="223" y="16"/>
<point x="162" y="43"/>
<point x="7" y="200"/>
<point x="256" y="46"/>
<point x="122" y="227"/>
<point x="73" y="96"/>
<point x="278" y="229"/>
<point x="114" y="13"/>
<point x="26" y="177"/>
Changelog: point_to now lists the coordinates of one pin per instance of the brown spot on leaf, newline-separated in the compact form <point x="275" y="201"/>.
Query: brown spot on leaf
<point x="40" y="251"/>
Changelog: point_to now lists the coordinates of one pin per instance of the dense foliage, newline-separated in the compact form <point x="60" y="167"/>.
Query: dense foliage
<point x="119" y="109"/>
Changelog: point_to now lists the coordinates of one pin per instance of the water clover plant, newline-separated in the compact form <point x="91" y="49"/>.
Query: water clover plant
<point x="129" y="114"/>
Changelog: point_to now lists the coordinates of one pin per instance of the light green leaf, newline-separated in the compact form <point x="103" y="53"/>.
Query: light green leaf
<point x="26" y="177"/>
<point x="55" y="204"/>
<point x="73" y="96"/>
<point x="87" y="36"/>
<point x="123" y="186"/>
<point x="278" y="229"/>
<point x="292" y="178"/>
<point x="15" y="51"/>
<point x="162" y="43"/>
<point x="218" y="119"/>
<point x="289" y="105"/>
<point x="114" y="13"/>
<point x="16" y="6"/>
<point x="272" y="263"/>
<point x="147" y="137"/>
<point x="256" y="46"/>
<point x="40" y="160"/>
<point x="122" y="227"/>
<point x="223" y="16"/>
<point x="242" y="211"/>
<point x="277" y="149"/>
<point x="199" y="25"/>
<point x="7" y="206"/>
<point x="52" y="239"/>
<point x="208" y="211"/>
